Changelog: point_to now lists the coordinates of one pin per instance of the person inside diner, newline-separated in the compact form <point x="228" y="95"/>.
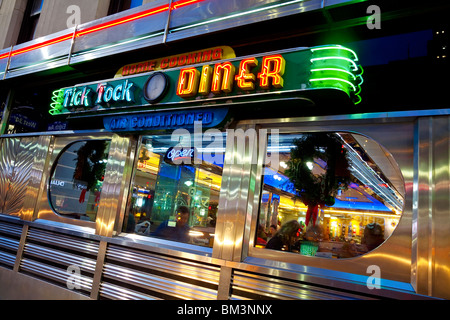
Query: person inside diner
<point x="285" y="237"/>
<point x="178" y="232"/>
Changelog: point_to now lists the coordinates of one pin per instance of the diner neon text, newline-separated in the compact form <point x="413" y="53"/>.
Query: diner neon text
<point x="222" y="77"/>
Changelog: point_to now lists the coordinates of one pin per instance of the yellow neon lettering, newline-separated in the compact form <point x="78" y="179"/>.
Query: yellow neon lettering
<point x="245" y="79"/>
<point x="188" y="82"/>
<point x="223" y="77"/>
<point x="272" y="68"/>
<point x="205" y="80"/>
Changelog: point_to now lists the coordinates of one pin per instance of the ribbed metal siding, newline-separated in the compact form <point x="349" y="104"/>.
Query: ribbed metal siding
<point x="9" y="243"/>
<point x="48" y="255"/>
<point x="246" y="285"/>
<point x="135" y="274"/>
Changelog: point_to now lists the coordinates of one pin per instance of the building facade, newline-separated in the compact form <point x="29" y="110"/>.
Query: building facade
<point x="224" y="149"/>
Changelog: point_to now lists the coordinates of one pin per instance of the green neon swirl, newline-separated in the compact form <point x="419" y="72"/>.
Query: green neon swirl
<point x="337" y="47"/>
<point x="56" y="105"/>
<point x="335" y="69"/>
<point x="336" y="79"/>
<point x="355" y="67"/>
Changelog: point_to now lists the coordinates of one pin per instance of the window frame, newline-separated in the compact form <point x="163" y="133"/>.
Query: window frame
<point x="156" y="241"/>
<point x="53" y="169"/>
<point x="370" y="128"/>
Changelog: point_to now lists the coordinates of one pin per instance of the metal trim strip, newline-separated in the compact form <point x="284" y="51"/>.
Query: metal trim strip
<point x="174" y="288"/>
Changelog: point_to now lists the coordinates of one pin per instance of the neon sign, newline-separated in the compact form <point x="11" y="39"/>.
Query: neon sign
<point x="312" y="73"/>
<point x="179" y="60"/>
<point x="76" y="97"/>
<point x="180" y="155"/>
<point x="221" y="79"/>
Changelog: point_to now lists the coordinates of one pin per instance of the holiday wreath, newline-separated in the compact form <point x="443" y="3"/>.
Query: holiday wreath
<point x="318" y="190"/>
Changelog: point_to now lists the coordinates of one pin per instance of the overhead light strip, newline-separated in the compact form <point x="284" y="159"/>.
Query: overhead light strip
<point x="103" y="26"/>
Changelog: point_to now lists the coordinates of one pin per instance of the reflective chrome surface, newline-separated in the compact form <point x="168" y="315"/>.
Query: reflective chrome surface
<point x="124" y="32"/>
<point x="413" y="260"/>
<point x="20" y="173"/>
<point x="394" y="256"/>
<point x="43" y="209"/>
<point x="431" y="203"/>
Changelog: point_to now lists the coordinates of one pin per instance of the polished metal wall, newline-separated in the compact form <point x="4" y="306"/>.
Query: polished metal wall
<point x="413" y="261"/>
<point x="151" y="24"/>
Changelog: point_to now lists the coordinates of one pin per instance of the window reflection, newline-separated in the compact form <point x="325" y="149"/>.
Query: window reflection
<point x="176" y="191"/>
<point x="77" y="179"/>
<point x="329" y="196"/>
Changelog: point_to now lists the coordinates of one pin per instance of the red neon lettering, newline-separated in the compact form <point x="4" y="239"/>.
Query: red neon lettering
<point x="272" y="68"/>
<point x="142" y="67"/>
<point x="217" y="54"/>
<point x="125" y="70"/>
<point x="245" y="79"/>
<point x="151" y="65"/>
<point x="173" y="62"/>
<point x="223" y="77"/>
<point x="164" y="63"/>
<point x="182" y="60"/>
<point x="188" y="82"/>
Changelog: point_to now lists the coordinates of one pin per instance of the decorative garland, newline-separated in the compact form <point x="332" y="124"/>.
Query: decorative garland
<point x="318" y="190"/>
<point x="89" y="169"/>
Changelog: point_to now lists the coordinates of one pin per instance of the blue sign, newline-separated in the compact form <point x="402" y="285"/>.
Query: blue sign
<point x="208" y="117"/>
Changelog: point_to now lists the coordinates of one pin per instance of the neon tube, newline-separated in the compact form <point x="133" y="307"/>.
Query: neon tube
<point x="337" y="47"/>
<point x="336" y="79"/>
<point x="103" y="26"/>
<point x="335" y="69"/>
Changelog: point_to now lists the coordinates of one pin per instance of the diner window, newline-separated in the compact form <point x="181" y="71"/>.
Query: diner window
<point x="176" y="189"/>
<point x="332" y="195"/>
<point x="30" y="20"/>
<point x="116" y="6"/>
<point x="77" y="178"/>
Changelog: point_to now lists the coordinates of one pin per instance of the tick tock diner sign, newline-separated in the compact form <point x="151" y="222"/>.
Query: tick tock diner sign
<point x="273" y="75"/>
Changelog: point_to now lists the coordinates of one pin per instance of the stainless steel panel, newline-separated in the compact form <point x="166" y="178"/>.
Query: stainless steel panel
<point x="60" y="257"/>
<point x="115" y="185"/>
<point x="70" y="243"/>
<point x="10" y="229"/>
<point x="157" y="284"/>
<point x="52" y="273"/>
<point x="129" y="30"/>
<point x="16" y="170"/>
<point x="156" y="276"/>
<point x="43" y="208"/>
<point x="4" y="59"/>
<point x="431" y="215"/>
<point x="121" y="32"/>
<point x="7" y="259"/>
<point x="240" y="154"/>
<point x="394" y="256"/>
<point x="171" y="265"/>
<point x="112" y="292"/>
<point x="36" y="183"/>
<point x="259" y="286"/>
<point x="53" y="53"/>
<point x="215" y="15"/>
<point x="48" y="256"/>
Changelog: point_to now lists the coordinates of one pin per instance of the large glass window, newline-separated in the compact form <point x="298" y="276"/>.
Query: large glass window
<point x="333" y="195"/>
<point x="77" y="179"/>
<point x="176" y="189"/>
